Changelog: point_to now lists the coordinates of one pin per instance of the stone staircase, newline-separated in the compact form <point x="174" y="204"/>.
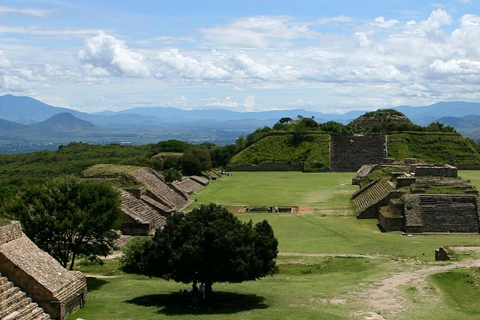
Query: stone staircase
<point x="160" y="189"/>
<point x="192" y="184"/>
<point x="374" y="195"/>
<point x="58" y="291"/>
<point x="16" y="305"/>
<point x="351" y="152"/>
<point x="138" y="212"/>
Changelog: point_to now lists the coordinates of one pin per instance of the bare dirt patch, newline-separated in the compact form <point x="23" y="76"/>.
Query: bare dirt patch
<point x="386" y="300"/>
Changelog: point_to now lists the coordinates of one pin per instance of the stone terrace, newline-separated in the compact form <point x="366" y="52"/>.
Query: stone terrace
<point x="139" y="218"/>
<point x="162" y="191"/>
<point x="58" y="291"/>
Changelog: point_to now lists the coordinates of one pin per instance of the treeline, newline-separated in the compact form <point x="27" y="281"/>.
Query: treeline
<point x="20" y="170"/>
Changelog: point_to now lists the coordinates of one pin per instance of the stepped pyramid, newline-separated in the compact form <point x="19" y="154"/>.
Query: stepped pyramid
<point x="57" y="291"/>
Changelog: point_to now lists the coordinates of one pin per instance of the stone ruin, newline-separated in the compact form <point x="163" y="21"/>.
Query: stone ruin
<point x="138" y="217"/>
<point x="416" y="198"/>
<point x="146" y="207"/>
<point x="350" y="152"/>
<point x="33" y="285"/>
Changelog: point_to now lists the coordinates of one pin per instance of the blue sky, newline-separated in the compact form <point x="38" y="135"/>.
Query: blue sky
<point x="327" y="56"/>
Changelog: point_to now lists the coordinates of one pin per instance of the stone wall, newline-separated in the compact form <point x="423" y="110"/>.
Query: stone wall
<point x="350" y="152"/>
<point x="438" y="170"/>
<point x="441" y="213"/>
<point x="58" y="291"/>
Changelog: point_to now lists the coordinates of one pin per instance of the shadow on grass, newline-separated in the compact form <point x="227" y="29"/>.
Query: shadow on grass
<point x="95" y="283"/>
<point x="220" y="303"/>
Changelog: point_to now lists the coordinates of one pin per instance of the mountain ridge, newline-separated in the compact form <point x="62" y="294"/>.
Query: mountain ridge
<point x="37" y="124"/>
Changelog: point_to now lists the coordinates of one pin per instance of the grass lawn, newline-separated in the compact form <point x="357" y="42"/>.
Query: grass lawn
<point x="309" y="285"/>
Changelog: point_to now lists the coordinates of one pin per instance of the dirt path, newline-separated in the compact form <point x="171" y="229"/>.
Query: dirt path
<point x="385" y="300"/>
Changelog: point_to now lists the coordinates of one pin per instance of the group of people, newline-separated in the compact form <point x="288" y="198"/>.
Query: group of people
<point x="197" y="292"/>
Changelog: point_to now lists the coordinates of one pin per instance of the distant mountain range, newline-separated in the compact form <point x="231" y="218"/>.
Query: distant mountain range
<point x="36" y="124"/>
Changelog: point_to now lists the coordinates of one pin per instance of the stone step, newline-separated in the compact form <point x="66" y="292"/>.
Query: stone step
<point x="8" y="293"/>
<point x="5" y="288"/>
<point x="16" y="304"/>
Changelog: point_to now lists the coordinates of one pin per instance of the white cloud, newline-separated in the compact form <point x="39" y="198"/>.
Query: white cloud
<point x="41" y="31"/>
<point x="381" y="23"/>
<point x="455" y="66"/>
<point x="226" y="103"/>
<point x="250" y="102"/>
<point x="13" y="83"/>
<point x="4" y="62"/>
<point x="188" y="67"/>
<point x="26" y="11"/>
<point x="107" y="52"/>
<point x="258" y="32"/>
<point x="362" y="39"/>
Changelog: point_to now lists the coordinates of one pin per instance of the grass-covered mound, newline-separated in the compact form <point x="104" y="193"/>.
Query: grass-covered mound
<point x="436" y="147"/>
<point x="308" y="150"/>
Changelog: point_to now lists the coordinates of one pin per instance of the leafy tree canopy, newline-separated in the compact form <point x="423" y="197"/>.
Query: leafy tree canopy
<point x="68" y="216"/>
<point x="172" y="175"/>
<point x="208" y="245"/>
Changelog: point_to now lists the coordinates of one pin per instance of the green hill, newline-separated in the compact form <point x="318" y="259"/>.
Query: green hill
<point x="433" y="147"/>
<point x="282" y="150"/>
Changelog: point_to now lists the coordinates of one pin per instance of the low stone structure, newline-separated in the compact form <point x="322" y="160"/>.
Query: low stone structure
<point x="425" y="204"/>
<point x="57" y="291"/>
<point x="438" y="170"/>
<point x="441" y="213"/>
<point x="192" y="184"/>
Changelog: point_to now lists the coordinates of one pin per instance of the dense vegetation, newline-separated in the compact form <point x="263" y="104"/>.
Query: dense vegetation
<point x="68" y="216"/>
<point x="18" y="171"/>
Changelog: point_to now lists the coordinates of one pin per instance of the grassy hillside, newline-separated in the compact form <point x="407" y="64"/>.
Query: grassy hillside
<point x="310" y="149"/>
<point x="436" y="147"/>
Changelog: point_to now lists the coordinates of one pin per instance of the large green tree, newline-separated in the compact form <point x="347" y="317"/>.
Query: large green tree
<point x="68" y="216"/>
<point x="208" y="245"/>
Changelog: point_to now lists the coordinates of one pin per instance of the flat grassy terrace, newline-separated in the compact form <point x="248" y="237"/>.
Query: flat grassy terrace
<point x="332" y="266"/>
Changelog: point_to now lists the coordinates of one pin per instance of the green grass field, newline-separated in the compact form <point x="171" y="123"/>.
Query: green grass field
<point x="331" y="265"/>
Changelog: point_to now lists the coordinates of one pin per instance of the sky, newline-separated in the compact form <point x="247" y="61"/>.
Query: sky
<point x="326" y="56"/>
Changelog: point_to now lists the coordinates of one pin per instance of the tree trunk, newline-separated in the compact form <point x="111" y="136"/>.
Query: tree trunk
<point x="208" y="290"/>
<point x="73" y="261"/>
